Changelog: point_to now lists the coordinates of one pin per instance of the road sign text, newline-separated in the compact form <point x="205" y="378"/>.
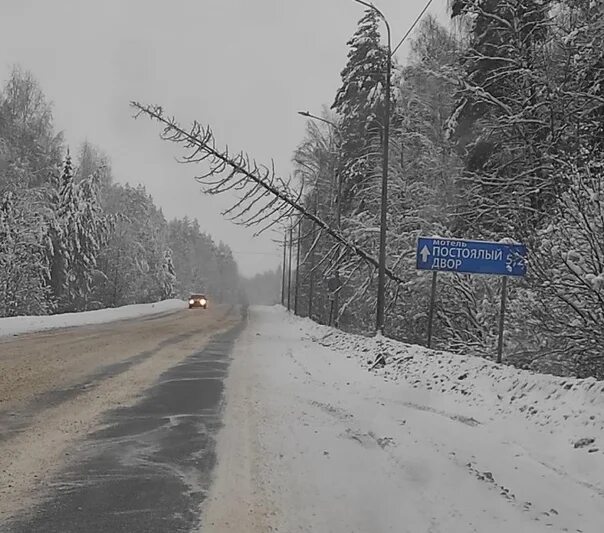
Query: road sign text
<point x="471" y="257"/>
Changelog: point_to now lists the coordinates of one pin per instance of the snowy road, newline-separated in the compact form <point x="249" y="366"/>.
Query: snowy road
<point x="112" y="428"/>
<point x="315" y="442"/>
<point x="83" y="411"/>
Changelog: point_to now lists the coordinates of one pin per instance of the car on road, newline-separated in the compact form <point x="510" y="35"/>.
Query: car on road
<point x="198" y="300"/>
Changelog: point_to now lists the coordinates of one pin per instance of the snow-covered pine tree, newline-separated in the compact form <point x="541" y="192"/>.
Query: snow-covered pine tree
<point x="92" y="161"/>
<point x="67" y="289"/>
<point x="423" y="171"/>
<point x="360" y="106"/>
<point x="23" y="265"/>
<point x="132" y="260"/>
<point x="529" y="125"/>
<point x="76" y="231"/>
<point x="359" y="103"/>
<point x="199" y="264"/>
<point x="228" y="274"/>
<point x="57" y="248"/>
<point x="92" y="226"/>
<point x="168" y="278"/>
<point x="501" y="123"/>
<point x="565" y="305"/>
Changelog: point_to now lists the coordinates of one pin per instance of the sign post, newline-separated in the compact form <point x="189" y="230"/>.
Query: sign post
<point x="432" y="302"/>
<point x="504" y="290"/>
<point x="333" y="285"/>
<point x="471" y="257"/>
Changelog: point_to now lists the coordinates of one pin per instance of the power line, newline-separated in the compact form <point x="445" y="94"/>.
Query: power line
<point x="255" y="253"/>
<point x="412" y="26"/>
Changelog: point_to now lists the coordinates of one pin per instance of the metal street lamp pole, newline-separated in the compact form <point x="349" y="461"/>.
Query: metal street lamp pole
<point x="381" y="295"/>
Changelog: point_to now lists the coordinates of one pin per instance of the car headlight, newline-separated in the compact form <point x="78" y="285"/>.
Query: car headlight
<point x="203" y="302"/>
<point x="191" y="302"/>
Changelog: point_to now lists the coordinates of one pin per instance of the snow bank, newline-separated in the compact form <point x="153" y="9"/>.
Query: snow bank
<point x="555" y="404"/>
<point x="317" y="440"/>
<point x="28" y="324"/>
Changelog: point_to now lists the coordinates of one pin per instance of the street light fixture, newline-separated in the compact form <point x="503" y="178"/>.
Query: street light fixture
<point x="335" y="127"/>
<point x="338" y="183"/>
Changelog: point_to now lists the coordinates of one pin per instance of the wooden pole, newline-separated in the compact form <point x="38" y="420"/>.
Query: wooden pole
<point x="504" y="290"/>
<point x="289" y="273"/>
<point x="311" y="281"/>
<point x="431" y="311"/>
<point x="283" y="269"/>
<point x="297" y="286"/>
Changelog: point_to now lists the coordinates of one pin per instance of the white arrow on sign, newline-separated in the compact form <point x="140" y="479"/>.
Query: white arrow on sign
<point x="425" y="253"/>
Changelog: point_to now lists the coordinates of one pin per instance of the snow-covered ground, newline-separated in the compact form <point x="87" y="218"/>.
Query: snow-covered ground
<point x="28" y="324"/>
<point x="572" y="407"/>
<point x="315" y="441"/>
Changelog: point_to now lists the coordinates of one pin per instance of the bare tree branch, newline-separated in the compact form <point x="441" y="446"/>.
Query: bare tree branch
<point x="227" y="172"/>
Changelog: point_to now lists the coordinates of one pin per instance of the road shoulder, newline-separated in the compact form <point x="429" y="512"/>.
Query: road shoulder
<point x="237" y="500"/>
<point x="312" y="441"/>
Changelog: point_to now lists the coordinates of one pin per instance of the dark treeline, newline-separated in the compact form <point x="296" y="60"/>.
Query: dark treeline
<point x="497" y="132"/>
<point x="71" y="239"/>
<point x="264" y="288"/>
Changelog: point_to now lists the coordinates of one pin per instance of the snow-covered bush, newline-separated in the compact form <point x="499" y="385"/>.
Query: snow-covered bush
<point x="568" y="266"/>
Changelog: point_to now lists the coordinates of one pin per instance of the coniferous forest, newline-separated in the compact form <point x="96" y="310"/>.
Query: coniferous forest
<point x="497" y="131"/>
<point x="73" y="239"/>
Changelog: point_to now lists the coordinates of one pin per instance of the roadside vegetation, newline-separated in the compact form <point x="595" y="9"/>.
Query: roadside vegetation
<point x="498" y="132"/>
<point x="74" y="239"/>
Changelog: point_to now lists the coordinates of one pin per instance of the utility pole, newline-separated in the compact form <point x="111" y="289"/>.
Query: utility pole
<point x="336" y="296"/>
<point x="311" y="281"/>
<point x="504" y="290"/>
<point x="283" y="269"/>
<point x="296" y="293"/>
<point x="289" y="274"/>
<point x="311" y="274"/>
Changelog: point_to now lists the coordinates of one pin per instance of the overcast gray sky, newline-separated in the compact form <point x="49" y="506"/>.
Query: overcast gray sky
<point x="243" y="66"/>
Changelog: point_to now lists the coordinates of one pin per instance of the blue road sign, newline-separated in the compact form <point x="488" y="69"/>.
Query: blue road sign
<point x="471" y="257"/>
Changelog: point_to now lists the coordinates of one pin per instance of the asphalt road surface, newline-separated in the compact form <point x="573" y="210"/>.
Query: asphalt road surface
<point x="112" y="427"/>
